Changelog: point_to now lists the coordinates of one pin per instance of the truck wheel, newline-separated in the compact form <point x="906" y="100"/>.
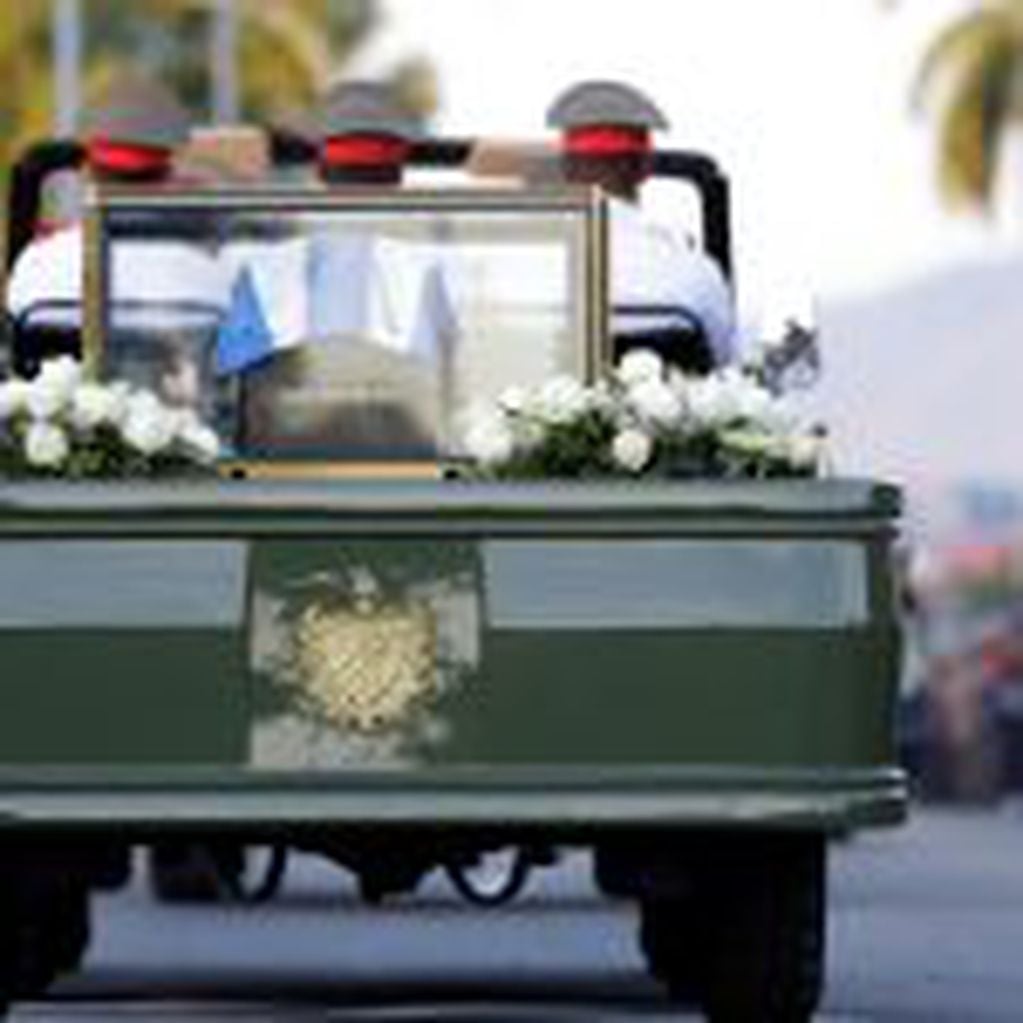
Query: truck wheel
<point x="71" y="930"/>
<point x="765" y="934"/>
<point x="44" y="932"/>
<point x="671" y="940"/>
<point x="184" y="872"/>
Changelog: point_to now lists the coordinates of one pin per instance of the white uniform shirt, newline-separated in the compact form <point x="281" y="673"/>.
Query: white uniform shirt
<point x="653" y="266"/>
<point x="161" y="273"/>
<point x="47" y="270"/>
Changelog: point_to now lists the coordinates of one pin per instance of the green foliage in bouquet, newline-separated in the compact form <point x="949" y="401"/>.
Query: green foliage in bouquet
<point x="577" y="449"/>
<point x="643" y="420"/>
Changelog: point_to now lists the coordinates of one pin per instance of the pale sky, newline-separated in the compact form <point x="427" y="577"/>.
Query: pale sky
<point x="805" y="103"/>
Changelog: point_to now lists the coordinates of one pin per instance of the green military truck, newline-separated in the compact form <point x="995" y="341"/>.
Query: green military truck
<point x="693" y="680"/>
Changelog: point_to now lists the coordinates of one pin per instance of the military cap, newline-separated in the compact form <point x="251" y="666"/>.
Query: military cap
<point x="136" y="110"/>
<point x="602" y="103"/>
<point x="366" y="135"/>
<point x="366" y="108"/>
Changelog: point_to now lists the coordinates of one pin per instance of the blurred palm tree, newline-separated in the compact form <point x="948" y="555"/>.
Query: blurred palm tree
<point x="973" y="74"/>
<point x="287" y="50"/>
<point x="27" y="101"/>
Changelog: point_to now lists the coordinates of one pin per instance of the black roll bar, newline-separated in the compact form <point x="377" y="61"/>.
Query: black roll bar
<point x="715" y="192"/>
<point x="29" y="175"/>
<point x="28" y="178"/>
<point x="695" y="168"/>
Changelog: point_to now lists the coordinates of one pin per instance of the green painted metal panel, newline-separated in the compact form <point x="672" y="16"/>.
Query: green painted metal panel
<point x="741" y="698"/>
<point x="381" y="637"/>
<point x="123" y="699"/>
<point x="379" y="508"/>
<point x="564" y="802"/>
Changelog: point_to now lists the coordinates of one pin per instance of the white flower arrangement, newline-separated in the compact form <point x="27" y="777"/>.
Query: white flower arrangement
<point x="61" y="425"/>
<point x="644" y="419"/>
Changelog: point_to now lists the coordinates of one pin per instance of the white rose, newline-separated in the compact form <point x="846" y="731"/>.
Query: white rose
<point x="656" y="402"/>
<point x="144" y="404"/>
<point x="632" y="449"/>
<point x="639" y="366"/>
<point x="489" y="440"/>
<point x="562" y="399"/>
<point x="805" y="451"/>
<point x="702" y="396"/>
<point x="514" y="399"/>
<point x="93" y="405"/>
<point x="753" y="402"/>
<point x="51" y="391"/>
<point x="778" y="417"/>
<point x="678" y="381"/>
<point x="148" y="426"/>
<point x="13" y="398"/>
<point x="46" y="445"/>
<point x="199" y="439"/>
<point x="181" y="420"/>
<point x="712" y="402"/>
<point x="44" y="400"/>
<point x="63" y="374"/>
<point x="121" y="393"/>
<point x="601" y="397"/>
<point x="527" y="431"/>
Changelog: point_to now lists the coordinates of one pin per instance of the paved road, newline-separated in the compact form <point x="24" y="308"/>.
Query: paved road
<point x="926" y="927"/>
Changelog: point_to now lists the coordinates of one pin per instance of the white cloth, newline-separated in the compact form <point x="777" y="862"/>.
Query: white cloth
<point x="394" y="293"/>
<point x="279" y="273"/>
<point x="162" y="273"/>
<point x="653" y="266"/>
<point x="390" y="293"/>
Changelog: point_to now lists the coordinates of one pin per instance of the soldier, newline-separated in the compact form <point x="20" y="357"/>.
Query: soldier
<point x="665" y="293"/>
<point x="361" y="281"/>
<point x="130" y="137"/>
<point x="356" y="371"/>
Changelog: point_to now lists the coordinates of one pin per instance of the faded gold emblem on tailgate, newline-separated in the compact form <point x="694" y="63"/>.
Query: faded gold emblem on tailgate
<point x="359" y="650"/>
<point x="365" y="665"/>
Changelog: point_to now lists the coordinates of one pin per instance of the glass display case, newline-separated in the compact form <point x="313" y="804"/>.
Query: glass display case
<point x="349" y="327"/>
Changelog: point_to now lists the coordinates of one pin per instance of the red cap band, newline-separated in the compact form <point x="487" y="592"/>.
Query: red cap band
<point x="607" y="140"/>
<point x="128" y="159"/>
<point x="365" y="151"/>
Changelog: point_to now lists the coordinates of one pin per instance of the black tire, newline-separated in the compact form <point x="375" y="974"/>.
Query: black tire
<point x="765" y="934"/>
<point x="505" y="886"/>
<point x="8" y="944"/>
<point x="71" y="930"/>
<point x="33" y="966"/>
<point x="44" y="933"/>
<point x="671" y="940"/>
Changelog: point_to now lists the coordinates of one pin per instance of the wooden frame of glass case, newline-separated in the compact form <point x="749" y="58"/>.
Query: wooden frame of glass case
<point x="542" y="247"/>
